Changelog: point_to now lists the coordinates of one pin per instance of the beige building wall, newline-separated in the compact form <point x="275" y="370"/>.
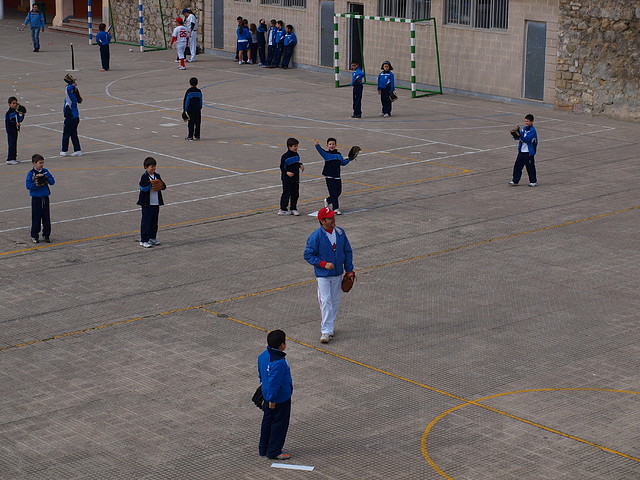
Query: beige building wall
<point x="474" y="60"/>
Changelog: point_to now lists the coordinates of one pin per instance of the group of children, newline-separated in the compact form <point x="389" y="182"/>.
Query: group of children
<point x="386" y="88"/>
<point x="269" y="46"/>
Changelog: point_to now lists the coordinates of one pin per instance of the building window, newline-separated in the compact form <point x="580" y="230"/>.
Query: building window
<point x="490" y="14"/>
<point x="413" y="9"/>
<point x="285" y="3"/>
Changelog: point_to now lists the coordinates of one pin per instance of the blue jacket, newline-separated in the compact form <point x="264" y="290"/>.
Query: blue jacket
<point x="357" y="76"/>
<point x="319" y="249"/>
<point x="279" y="36"/>
<point x="70" y="108"/>
<point x="192" y="100"/>
<point x="529" y="136"/>
<point x="11" y="120"/>
<point x="35" y="19"/>
<point x="275" y="376"/>
<point x="290" y="162"/>
<point x="243" y="34"/>
<point x="43" y="190"/>
<point x="103" y="38"/>
<point x="144" y="197"/>
<point x="386" y="80"/>
<point x="290" y="39"/>
<point x="332" y="162"/>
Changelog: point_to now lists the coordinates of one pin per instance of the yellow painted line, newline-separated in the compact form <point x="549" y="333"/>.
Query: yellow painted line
<point x="425" y="435"/>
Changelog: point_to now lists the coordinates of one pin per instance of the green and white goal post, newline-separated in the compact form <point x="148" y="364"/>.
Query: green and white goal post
<point x="415" y="91"/>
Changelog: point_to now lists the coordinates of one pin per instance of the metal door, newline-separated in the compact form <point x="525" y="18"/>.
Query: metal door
<point x="326" y="33"/>
<point x="356" y="40"/>
<point x="218" y="24"/>
<point x="534" y="59"/>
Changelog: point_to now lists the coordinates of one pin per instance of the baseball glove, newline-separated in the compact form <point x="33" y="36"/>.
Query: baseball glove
<point x="22" y="110"/>
<point x="40" y="179"/>
<point x="515" y="132"/>
<point x="353" y="153"/>
<point x="185" y="116"/>
<point x="348" y="280"/>
<point x="257" y="398"/>
<point x="156" y="185"/>
<point x="393" y="97"/>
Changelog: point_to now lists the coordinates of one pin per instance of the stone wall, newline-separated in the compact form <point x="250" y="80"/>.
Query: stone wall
<point x="125" y="19"/>
<point x="599" y="58"/>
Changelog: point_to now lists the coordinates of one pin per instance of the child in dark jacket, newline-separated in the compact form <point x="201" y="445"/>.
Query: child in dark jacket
<point x="333" y="160"/>
<point x="37" y="182"/>
<point x="289" y="43"/>
<point x="192" y="105"/>
<point x="150" y="199"/>
<point x="290" y="168"/>
<point x="12" y="120"/>
<point x="103" y="39"/>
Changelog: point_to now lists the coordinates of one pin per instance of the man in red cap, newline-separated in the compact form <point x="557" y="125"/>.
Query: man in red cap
<point x="180" y="37"/>
<point x="329" y="251"/>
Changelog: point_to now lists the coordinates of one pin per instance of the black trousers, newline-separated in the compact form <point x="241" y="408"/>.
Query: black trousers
<point x="524" y="160"/>
<point x="290" y="191"/>
<point x="277" y="55"/>
<point x="70" y="131"/>
<point x="357" y="99"/>
<point x="104" y="56"/>
<point x="386" y="100"/>
<point x="270" y="51"/>
<point x="40" y="215"/>
<point x="287" y="53"/>
<point x="273" y="431"/>
<point x="149" y="222"/>
<point x="12" y="141"/>
<point x="195" y="118"/>
<point x="261" y="48"/>
<point x="334" y="185"/>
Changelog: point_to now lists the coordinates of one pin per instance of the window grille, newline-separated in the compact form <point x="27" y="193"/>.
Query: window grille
<point x="489" y="14"/>
<point x="285" y="3"/>
<point x="413" y="9"/>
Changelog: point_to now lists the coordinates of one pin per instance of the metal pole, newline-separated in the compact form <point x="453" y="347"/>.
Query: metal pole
<point x="140" y="21"/>
<point x="413" y="60"/>
<point x="90" y="22"/>
<point x="73" y="61"/>
<point x="336" y="54"/>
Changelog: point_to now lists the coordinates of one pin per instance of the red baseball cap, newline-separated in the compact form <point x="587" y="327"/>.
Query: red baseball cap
<point x="179" y="20"/>
<point x="325" y="212"/>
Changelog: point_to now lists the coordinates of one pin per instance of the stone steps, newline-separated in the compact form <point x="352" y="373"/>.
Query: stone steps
<point x="78" y="26"/>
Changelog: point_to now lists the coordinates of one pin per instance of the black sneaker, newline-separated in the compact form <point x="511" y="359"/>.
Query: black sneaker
<point x="35" y="240"/>
<point x="46" y="239"/>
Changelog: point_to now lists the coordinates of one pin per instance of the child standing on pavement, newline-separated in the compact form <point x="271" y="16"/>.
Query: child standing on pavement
<point x="37" y="182"/>
<point x="289" y="43"/>
<point x="333" y="160"/>
<point x="12" y="121"/>
<point x="386" y="86"/>
<point x="356" y="82"/>
<point x="103" y="39"/>
<point x="192" y="105"/>
<point x="290" y="168"/>
<point x="180" y="36"/>
<point x="150" y="199"/>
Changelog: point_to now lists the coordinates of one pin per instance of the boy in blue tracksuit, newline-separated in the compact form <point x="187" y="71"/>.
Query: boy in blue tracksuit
<point x="333" y="160"/>
<point x="37" y="182"/>
<point x="357" y="77"/>
<point x="278" y="39"/>
<point x="262" y="42"/>
<point x="12" y="121"/>
<point x="386" y="86"/>
<point x="277" y="388"/>
<point x="71" y="117"/>
<point x="271" y="42"/>
<point x="103" y="39"/>
<point x="527" y="145"/>
<point x="36" y="19"/>
<point x="192" y="105"/>
<point x="290" y="168"/>
<point x="289" y="42"/>
<point x="150" y="199"/>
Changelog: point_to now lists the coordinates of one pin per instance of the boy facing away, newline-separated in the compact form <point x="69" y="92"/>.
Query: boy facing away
<point x="333" y="160"/>
<point x="150" y="199"/>
<point x="12" y="120"/>
<point x="104" y="39"/>
<point x="290" y="168"/>
<point x="37" y="182"/>
<point x="192" y="106"/>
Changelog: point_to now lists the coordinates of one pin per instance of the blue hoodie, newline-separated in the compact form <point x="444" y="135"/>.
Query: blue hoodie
<point x="319" y="250"/>
<point x="39" y="191"/>
<point x="529" y="136"/>
<point x="35" y="19"/>
<point x="356" y="77"/>
<point x="386" y="80"/>
<point x="275" y="376"/>
<point x="290" y="39"/>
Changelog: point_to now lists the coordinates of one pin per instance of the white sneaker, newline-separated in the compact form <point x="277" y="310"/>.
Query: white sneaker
<point x="338" y="212"/>
<point x="146" y="244"/>
<point x="64" y="154"/>
<point x="154" y="242"/>
<point x="12" y="162"/>
<point x="533" y="184"/>
<point x="182" y="68"/>
<point x="325" y="338"/>
<point x="284" y="212"/>
<point x="77" y="154"/>
<point x="386" y="115"/>
<point x="295" y="213"/>
<point x="513" y="183"/>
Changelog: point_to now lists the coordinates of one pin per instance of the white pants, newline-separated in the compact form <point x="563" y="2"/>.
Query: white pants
<point x="180" y="48"/>
<point x="329" y="291"/>
<point x="192" y="45"/>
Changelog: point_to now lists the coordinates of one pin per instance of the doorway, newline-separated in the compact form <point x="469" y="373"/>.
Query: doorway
<point x="356" y="32"/>
<point x="534" y="60"/>
<point x="326" y="33"/>
<point x="218" y="24"/>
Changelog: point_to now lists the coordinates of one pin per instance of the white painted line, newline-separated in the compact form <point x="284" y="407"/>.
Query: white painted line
<point x="293" y="467"/>
<point x="168" y="124"/>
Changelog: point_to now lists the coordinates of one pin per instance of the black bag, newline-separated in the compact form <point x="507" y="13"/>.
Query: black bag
<point x="257" y="398"/>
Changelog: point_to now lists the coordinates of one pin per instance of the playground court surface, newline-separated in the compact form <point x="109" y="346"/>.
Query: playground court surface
<point x="492" y="334"/>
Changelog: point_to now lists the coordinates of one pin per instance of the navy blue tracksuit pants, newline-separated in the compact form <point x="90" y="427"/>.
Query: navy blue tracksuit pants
<point x="40" y="215"/>
<point x="12" y="141"/>
<point x="70" y="132"/>
<point x="528" y="161"/>
<point x="287" y="54"/>
<point x="149" y="222"/>
<point x="273" y="431"/>
<point x="386" y="100"/>
<point x="334" y="185"/>
<point x="104" y="56"/>
<point x="357" y="99"/>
